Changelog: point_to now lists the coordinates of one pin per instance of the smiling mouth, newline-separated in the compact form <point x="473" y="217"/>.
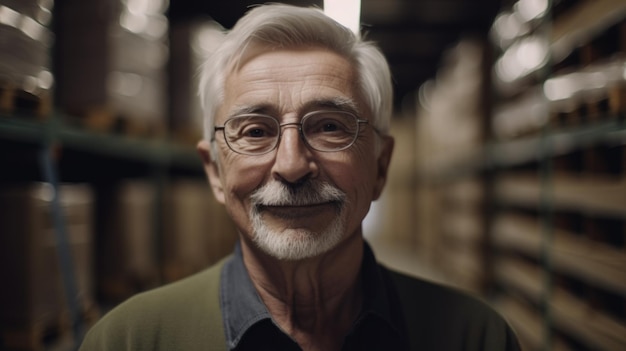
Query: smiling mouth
<point x="299" y="211"/>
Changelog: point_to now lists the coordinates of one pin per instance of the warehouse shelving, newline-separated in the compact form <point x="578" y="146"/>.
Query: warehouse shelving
<point x="557" y="226"/>
<point x="588" y="194"/>
<point x="70" y="120"/>
<point x="594" y="262"/>
<point x="550" y="236"/>
<point x="35" y="146"/>
<point x="155" y="152"/>
<point x="569" y="313"/>
<point x="504" y="154"/>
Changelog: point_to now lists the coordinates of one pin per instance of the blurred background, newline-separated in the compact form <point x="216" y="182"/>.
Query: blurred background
<point x="508" y="181"/>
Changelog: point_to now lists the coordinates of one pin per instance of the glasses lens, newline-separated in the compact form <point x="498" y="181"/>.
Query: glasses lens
<point x="330" y="130"/>
<point x="251" y="134"/>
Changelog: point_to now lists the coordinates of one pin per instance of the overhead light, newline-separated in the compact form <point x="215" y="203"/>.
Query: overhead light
<point x="522" y="58"/>
<point x="532" y="9"/>
<point x="346" y="12"/>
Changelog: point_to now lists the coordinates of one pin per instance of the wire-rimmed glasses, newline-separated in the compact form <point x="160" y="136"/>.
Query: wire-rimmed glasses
<point x="257" y="134"/>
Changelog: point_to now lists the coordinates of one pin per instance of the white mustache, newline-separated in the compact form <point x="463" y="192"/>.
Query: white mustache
<point x="310" y="193"/>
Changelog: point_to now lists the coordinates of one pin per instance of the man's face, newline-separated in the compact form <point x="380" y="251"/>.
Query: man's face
<point x="295" y="202"/>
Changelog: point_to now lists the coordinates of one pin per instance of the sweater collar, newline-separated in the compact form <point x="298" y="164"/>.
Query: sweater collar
<point x="243" y="309"/>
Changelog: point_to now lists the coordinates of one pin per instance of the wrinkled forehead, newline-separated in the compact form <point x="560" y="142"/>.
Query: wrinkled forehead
<point x="311" y="75"/>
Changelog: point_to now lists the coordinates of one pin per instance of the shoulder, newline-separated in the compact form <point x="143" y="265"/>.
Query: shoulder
<point x="154" y="319"/>
<point x="174" y="298"/>
<point x="436" y="296"/>
<point x="444" y="316"/>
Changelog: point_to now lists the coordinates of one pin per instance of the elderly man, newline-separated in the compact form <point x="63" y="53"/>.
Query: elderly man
<point x="297" y="111"/>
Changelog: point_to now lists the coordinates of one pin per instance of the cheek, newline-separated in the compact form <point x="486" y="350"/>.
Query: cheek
<point x="240" y="181"/>
<point x="242" y="175"/>
<point x="364" y="163"/>
<point x="355" y="174"/>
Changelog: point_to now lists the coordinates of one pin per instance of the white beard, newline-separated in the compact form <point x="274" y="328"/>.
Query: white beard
<point x="296" y="244"/>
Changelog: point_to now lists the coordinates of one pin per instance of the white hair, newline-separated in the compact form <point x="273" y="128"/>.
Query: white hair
<point x="272" y="26"/>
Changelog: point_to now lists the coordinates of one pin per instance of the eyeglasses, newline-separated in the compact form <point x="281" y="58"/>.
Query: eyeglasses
<point x="257" y="134"/>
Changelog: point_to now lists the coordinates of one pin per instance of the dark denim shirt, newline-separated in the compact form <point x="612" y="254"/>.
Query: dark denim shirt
<point x="249" y="326"/>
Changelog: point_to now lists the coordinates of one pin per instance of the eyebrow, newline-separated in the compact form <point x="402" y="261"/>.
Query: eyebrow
<point x="242" y="110"/>
<point x="334" y="103"/>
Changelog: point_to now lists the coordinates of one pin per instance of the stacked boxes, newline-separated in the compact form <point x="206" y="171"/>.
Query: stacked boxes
<point x="198" y="231"/>
<point x="449" y="139"/>
<point x="112" y="60"/>
<point x="145" y="240"/>
<point x="32" y="299"/>
<point x="190" y="43"/>
<point x="25" y="41"/>
<point x="138" y="57"/>
<point x="558" y="225"/>
<point x="126" y="253"/>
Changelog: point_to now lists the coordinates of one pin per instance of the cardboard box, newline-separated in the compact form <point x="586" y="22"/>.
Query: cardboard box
<point x="33" y="297"/>
<point x="126" y="244"/>
<point x="198" y="231"/>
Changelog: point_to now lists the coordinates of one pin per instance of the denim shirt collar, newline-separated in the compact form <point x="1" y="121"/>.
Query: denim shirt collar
<point x="242" y="307"/>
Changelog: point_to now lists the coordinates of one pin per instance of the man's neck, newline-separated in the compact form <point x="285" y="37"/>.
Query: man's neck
<point x="315" y="300"/>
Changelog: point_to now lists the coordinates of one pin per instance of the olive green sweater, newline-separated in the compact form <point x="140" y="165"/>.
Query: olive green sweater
<point x="186" y="316"/>
<point x="181" y="316"/>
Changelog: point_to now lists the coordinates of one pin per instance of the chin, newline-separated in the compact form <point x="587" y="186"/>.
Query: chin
<point x="297" y="244"/>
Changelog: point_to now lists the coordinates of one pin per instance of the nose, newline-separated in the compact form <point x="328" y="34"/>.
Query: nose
<point x="294" y="161"/>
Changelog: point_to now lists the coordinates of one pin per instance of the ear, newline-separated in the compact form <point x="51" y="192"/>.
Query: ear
<point x="384" y="159"/>
<point x="211" y="169"/>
